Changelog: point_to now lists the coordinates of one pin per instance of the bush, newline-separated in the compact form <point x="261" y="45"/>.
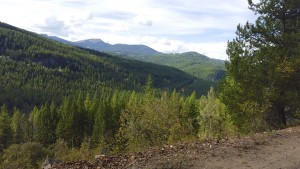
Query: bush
<point x="28" y="155"/>
<point x="62" y="152"/>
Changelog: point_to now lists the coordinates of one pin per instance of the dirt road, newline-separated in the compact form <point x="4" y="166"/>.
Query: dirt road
<point x="280" y="149"/>
<point x="274" y="150"/>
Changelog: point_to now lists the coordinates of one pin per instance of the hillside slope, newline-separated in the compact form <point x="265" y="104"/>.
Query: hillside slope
<point x="35" y="69"/>
<point x="278" y="149"/>
<point x="100" y="45"/>
<point x="193" y="63"/>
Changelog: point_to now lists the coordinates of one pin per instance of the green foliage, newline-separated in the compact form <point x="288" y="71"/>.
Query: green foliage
<point x="22" y="130"/>
<point x="122" y="121"/>
<point x="55" y="83"/>
<point x="6" y="133"/>
<point x="45" y="122"/>
<point x="61" y="151"/>
<point x="207" y="72"/>
<point x="35" y="70"/>
<point x="193" y="63"/>
<point x="99" y="127"/>
<point x="150" y="122"/>
<point x="16" y="125"/>
<point x="214" y="120"/>
<point x="247" y="115"/>
<point x="27" y="156"/>
<point x="262" y="83"/>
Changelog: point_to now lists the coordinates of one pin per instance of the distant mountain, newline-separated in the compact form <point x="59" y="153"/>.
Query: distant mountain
<point x="193" y="63"/>
<point x="57" y="39"/>
<point x="99" y="45"/>
<point x="122" y="49"/>
<point x="35" y="70"/>
<point x="96" y="44"/>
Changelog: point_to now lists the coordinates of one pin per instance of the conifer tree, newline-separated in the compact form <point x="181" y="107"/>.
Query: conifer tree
<point x="264" y="62"/>
<point x="98" y="128"/>
<point x="64" y="128"/>
<point x="6" y="134"/>
<point x="17" y="126"/>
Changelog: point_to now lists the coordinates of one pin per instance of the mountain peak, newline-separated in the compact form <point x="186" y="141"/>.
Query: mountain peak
<point x="91" y="41"/>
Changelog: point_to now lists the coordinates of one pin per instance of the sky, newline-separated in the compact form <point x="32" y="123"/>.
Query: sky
<point x="170" y="26"/>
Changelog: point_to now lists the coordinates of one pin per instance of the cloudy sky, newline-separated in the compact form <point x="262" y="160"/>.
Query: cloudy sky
<point x="170" y="26"/>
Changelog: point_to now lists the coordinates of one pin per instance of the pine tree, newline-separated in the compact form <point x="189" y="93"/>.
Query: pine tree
<point x="16" y="125"/>
<point x="6" y="133"/>
<point x="45" y="124"/>
<point x="264" y="62"/>
<point x="64" y="128"/>
<point x="214" y="122"/>
<point x="98" y="128"/>
<point x="149" y="92"/>
<point x="90" y="106"/>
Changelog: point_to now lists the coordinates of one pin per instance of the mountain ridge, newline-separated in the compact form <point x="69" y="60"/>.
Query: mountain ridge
<point x="100" y="45"/>
<point x="195" y="64"/>
<point x="35" y="69"/>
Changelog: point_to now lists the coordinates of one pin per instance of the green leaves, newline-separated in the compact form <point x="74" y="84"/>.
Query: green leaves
<point x="6" y="134"/>
<point x="261" y="66"/>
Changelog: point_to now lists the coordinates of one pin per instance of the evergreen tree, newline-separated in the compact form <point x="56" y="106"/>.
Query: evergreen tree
<point x="191" y="110"/>
<point x="98" y="128"/>
<point x="64" y="128"/>
<point x="90" y="106"/>
<point x="45" y="122"/>
<point x="149" y="92"/>
<point x="6" y="134"/>
<point x="214" y="122"/>
<point x="17" y="126"/>
<point x="264" y="62"/>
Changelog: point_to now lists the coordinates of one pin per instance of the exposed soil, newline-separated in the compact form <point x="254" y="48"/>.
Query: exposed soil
<point x="274" y="150"/>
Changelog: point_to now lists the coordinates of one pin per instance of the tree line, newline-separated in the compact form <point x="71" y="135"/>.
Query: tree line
<point x="118" y="120"/>
<point x="108" y="122"/>
<point x="259" y="93"/>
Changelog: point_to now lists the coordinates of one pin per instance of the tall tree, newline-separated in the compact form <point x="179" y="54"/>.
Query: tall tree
<point x="16" y="125"/>
<point x="6" y="134"/>
<point x="264" y="62"/>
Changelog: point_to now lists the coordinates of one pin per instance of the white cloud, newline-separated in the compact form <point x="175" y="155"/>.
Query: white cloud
<point x="168" y="26"/>
<point x="53" y="26"/>
<point x="142" y="20"/>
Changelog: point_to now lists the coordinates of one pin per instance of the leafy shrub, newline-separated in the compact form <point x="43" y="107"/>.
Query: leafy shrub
<point x="27" y="156"/>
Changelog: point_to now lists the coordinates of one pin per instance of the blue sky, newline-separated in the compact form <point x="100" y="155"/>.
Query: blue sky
<point x="171" y="26"/>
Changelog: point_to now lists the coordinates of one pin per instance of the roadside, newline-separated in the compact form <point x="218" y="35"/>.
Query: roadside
<point x="274" y="150"/>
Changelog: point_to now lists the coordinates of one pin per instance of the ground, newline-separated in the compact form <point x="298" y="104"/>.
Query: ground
<point x="270" y="150"/>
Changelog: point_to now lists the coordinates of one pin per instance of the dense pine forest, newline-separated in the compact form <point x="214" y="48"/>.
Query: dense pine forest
<point x="35" y="69"/>
<point x="53" y="92"/>
<point x="70" y="103"/>
<point x="198" y="65"/>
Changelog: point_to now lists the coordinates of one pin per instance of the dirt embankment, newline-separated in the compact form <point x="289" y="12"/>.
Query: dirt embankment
<point x="275" y="150"/>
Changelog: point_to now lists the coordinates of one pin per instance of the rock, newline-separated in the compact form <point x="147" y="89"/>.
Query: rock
<point x="48" y="163"/>
<point x="100" y="156"/>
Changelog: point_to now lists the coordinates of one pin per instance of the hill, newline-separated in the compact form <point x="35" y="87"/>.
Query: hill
<point x="35" y="69"/>
<point x="99" y="45"/>
<point x="193" y="63"/>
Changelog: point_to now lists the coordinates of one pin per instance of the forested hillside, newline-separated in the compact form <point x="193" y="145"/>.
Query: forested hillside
<point x="59" y="100"/>
<point x="193" y="63"/>
<point x="70" y="103"/>
<point x="35" y="69"/>
<point x="100" y="45"/>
